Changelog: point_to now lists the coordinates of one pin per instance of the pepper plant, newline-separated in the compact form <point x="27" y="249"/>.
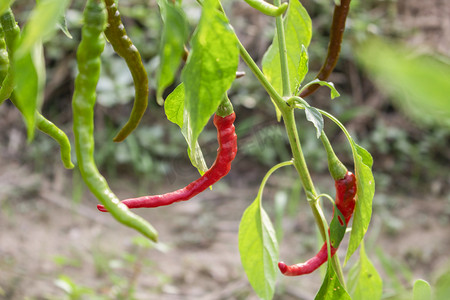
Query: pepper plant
<point x="211" y="56"/>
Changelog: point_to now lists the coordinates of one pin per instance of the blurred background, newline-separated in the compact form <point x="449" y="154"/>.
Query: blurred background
<point x="55" y="245"/>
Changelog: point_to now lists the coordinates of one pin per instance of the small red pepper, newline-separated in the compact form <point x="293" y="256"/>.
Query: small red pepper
<point x="345" y="202"/>
<point x="227" y="139"/>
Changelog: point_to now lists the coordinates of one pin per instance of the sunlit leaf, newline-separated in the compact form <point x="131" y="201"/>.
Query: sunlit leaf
<point x="298" y="31"/>
<point x="315" y="117"/>
<point x="258" y="245"/>
<point x="421" y="290"/>
<point x="333" y="91"/>
<point x="337" y="228"/>
<point x="29" y="76"/>
<point x="175" y="112"/>
<point x="331" y="288"/>
<point x="210" y="68"/>
<point x="41" y="23"/>
<point x="364" y="282"/>
<point x="173" y="38"/>
<point x="418" y="84"/>
<point x="365" y="191"/>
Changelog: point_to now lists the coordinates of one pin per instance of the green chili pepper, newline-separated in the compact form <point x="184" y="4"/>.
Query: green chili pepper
<point x="122" y="44"/>
<point x="11" y="32"/>
<point x="4" y="59"/>
<point x="58" y="135"/>
<point x="267" y="8"/>
<point x="88" y="59"/>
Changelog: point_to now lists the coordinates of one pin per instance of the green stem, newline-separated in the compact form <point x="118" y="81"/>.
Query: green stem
<point x="300" y="165"/>
<point x="334" y="259"/>
<point x="283" y="53"/>
<point x="259" y="74"/>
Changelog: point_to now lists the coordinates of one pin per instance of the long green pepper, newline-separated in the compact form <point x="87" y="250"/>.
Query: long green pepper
<point x="58" y="135"/>
<point x="12" y="32"/>
<point x="4" y="60"/>
<point x="122" y="44"/>
<point x="88" y="59"/>
<point x="8" y="37"/>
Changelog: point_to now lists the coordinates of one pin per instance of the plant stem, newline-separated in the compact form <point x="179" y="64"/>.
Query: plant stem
<point x="294" y="140"/>
<point x="259" y="75"/>
<point x="283" y="53"/>
<point x="300" y="164"/>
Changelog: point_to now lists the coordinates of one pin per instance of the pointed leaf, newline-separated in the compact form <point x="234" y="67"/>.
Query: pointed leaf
<point x="333" y="91"/>
<point x="41" y="24"/>
<point x="175" y="112"/>
<point x="258" y="247"/>
<point x="174" y="36"/>
<point x="337" y="229"/>
<point x="331" y="288"/>
<point x="210" y="68"/>
<point x="315" y="117"/>
<point x="364" y="282"/>
<point x="298" y="30"/>
<point x="174" y="105"/>
<point x="29" y="77"/>
<point x="258" y="244"/>
<point x="365" y="191"/>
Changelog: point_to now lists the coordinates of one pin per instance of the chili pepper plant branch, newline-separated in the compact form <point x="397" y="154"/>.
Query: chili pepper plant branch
<point x="287" y="113"/>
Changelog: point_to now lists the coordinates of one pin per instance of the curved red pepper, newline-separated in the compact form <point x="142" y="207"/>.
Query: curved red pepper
<point x="345" y="202"/>
<point x="227" y="139"/>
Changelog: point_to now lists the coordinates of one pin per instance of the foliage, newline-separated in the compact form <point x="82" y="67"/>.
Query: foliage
<point x="210" y="69"/>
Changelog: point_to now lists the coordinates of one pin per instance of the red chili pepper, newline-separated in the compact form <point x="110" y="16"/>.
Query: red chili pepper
<point x="227" y="139"/>
<point x="345" y="202"/>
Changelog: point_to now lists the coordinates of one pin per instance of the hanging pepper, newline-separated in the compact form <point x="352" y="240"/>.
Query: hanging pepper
<point x="345" y="202"/>
<point x="4" y="60"/>
<point x="122" y="44"/>
<point x="88" y="59"/>
<point x="227" y="139"/>
<point x="11" y="33"/>
<point x="345" y="185"/>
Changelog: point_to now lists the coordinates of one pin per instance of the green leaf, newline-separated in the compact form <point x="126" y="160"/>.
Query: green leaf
<point x="365" y="185"/>
<point x="41" y="24"/>
<point x="302" y="67"/>
<point x="62" y="25"/>
<point x="365" y="191"/>
<point x="418" y="84"/>
<point x="29" y="77"/>
<point x="175" y="112"/>
<point x="258" y="244"/>
<point x="337" y="229"/>
<point x="210" y="68"/>
<point x="4" y="5"/>
<point x="443" y="286"/>
<point x="333" y="90"/>
<point x="174" y="36"/>
<point x="298" y="30"/>
<point x="258" y="247"/>
<point x="421" y="290"/>
<point x="315" y="117"/>
<point x="331" y="288"/>
<point x="174" y="105"/>
<point x="364" y="282"/>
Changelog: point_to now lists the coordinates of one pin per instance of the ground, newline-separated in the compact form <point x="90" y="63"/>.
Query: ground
<point x="45" y="235"/>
